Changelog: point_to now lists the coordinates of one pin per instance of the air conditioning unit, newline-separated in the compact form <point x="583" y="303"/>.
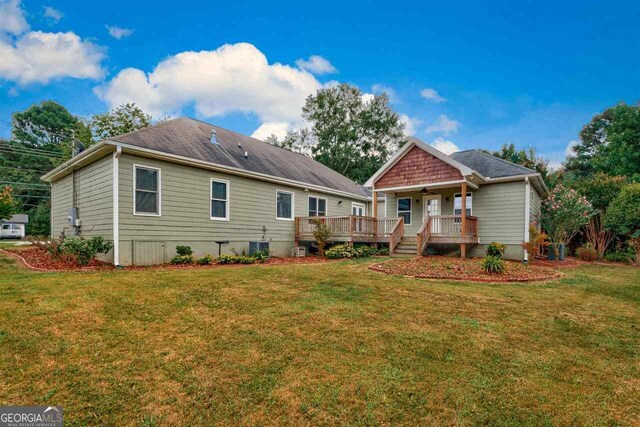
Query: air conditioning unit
<point x="298" y="251"/>
<point x="256" y="247"/>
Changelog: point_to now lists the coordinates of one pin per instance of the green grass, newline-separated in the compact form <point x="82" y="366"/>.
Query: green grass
<point x="321" y="344"/>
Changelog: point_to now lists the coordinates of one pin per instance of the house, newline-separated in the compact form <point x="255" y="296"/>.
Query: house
<point x="14" y="227"/>
<point x="185" y="182"/>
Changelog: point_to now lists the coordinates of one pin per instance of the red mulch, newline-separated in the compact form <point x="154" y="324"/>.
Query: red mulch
<point x="568" y="262"/>
<point x="38" y="259"/>
<point x="469" y="269"/>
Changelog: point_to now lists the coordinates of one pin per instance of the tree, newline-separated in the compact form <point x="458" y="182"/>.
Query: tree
<point x="524" y="157"/>
<point x="564" y="212"/>
<point x="298" y="141"/>
<point x="40" y="220"/>
<point x="353" y="137"/>
<point x="123" y="119"/>
<point x="8" y="205"/>
<point x="623" y="216"/>
<point x="610" y="144"/>
<point x="46" y="125"/>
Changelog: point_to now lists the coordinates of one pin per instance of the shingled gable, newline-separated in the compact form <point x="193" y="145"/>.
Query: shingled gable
<point x="418" y="164"/>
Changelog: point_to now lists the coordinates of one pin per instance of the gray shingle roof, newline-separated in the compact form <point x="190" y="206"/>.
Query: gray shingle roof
<point x="192" y="138"/>
<point x="489" y="166"/>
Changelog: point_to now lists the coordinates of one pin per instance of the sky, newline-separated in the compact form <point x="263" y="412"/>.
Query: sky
<point x="462" y="75"/>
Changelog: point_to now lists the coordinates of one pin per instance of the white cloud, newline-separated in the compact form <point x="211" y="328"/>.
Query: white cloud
<point x="12" y="20"/>
<point x="119" y="32"/>
<point x="444" y="125"/>
<point x="317" y="65"/>
<point x="391" y="93"/>
<point x="367" y="97"/>
<point x="432" y="95"/>
<point x="444" y="145"/>
<point x="267" y="129"/>
<point x="232" y="78"/>
<point x="38" y="57"/>
<point x="411" y="124"/>
<point x="568" y="152"/>
<point x="53" y="14"/>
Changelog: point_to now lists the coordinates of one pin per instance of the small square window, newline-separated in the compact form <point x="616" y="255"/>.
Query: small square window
<point x="317" y="206"/>
<point x="284" y="205"/>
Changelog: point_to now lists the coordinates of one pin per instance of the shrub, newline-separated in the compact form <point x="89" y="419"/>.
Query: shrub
<point x="184" y="250"/>
<point x="383" y="251"/>
<point x="619" y="256"/>
<point x="236" y="259"/>
<point x="206" y="259"/>
<point x="182" y="259"/>
<point x="322" y="234"/>
<point x="564" y="212"/>
<point x="493" y="265"/>
<point x="536" y="239"/>
<point x="82" y="251"/>
<point x="261" y="256"/>
<point x="343" y="250"/>
<point x="587" y="253"/>
<point x="496" y="249"/>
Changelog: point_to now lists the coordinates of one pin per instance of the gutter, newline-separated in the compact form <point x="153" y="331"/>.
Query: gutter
<point x="116" y="206"/>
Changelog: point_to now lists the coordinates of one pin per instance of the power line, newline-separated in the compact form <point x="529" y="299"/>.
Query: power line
<point x="25" y="169"/>
<point x="21" y="153"/>
<point x="31" y="197"/>
<point x="35" y="149"/>
<point x="34" y="186"/>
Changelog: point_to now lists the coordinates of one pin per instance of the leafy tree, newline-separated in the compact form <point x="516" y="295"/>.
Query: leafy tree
<point x="40" y="220"/>
<point x="623" y="216"/>
<point x="525" y="157"/>
<point x="600" y="189"/>
<point x="123" y="119"/>
<point x="8" y="204"/>
<point x="564" y="212"/>
<point x="353" y="137"/>
<point x="47" y="125"/>
<point x="610" y="144"/>
<point x="299" y="141"/>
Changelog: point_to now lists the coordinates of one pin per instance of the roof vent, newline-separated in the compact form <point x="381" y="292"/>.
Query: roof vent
<point x="246" y="154"/>
<point x="214" y="138"/>
<point x="239" y="144"/>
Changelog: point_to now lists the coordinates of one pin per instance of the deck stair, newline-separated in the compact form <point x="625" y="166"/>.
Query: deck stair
<point x="407" y="246"/>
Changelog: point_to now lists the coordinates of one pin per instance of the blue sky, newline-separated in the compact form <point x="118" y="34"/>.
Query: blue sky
<point x="531" y="73"/>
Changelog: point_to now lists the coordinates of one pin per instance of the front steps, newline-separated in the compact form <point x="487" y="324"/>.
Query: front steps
<point x="407" y="246"/>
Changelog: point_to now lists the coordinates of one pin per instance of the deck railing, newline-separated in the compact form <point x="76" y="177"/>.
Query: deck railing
<point x="350" y="228"/>
<point x="451" y="225"/>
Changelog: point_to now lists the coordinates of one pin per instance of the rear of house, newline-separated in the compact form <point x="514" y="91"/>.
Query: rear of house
<point x="185" y="182"/>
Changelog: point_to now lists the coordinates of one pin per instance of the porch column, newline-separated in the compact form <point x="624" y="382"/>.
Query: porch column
<point x="374" y="214"/>
<point x="374" y="206"/>
<point x="463" y="222"/>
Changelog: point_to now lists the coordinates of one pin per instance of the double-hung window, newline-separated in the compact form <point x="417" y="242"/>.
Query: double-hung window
<point x="457" y="204"/>
<point x="146" y="181"/>
<point x="317" y="206"/>
<point x="284" y="205"/>
<point x="219" y="200"/>
<point x="404" y="209"/>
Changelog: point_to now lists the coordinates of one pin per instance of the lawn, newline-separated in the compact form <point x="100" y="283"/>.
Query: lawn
<point x="320" y="344"/>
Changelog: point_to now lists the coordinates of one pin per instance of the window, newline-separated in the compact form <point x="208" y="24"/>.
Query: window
<point x="146" y="181"/>
<point x="404" y="209"/>
<point x="6" y="226"/>
<point x="457" y="204"/>
<point x="219" y="200"/>
<point x="284" y="205"/>
<point x="357" y="209"/>
<point x="317" y="206"/>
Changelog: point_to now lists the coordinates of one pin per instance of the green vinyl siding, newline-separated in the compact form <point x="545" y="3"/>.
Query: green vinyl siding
<point x="535" y="207"/>
<point x="500" y="211"/>
<point x="185" y="215"/>
<point x="94" y="200"/>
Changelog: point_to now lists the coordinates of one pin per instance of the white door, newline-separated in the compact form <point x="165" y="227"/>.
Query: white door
<point x="432" y="205"/>
<point x="358" y="210"/>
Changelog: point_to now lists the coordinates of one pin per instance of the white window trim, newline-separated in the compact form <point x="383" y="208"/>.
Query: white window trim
<point x="227" y="201"/>
<point x="410" y="208"/>
<point x="293" y="205"/>
<point x="135" y="167"/>
<point x="360" y="205"/>
<point x="326" y="204"/>
<point x="470" y="193"/>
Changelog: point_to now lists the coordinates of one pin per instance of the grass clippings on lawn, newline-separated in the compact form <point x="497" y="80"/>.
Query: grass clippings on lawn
<point x="328" y="344"/>
<point x="442" y="267"/>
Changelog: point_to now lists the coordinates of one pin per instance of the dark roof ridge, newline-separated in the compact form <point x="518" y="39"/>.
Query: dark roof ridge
<point x="498" y="158"/>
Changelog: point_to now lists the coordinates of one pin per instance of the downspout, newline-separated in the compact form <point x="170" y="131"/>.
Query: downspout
<point x="527" y="213"/>
<point x="116" y="207"/>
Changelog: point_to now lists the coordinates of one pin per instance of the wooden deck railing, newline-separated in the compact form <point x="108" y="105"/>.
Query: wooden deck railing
<point x="423" y="235"/>
<point x="451" y="225"/>
<point x="351" y="228"/>
<point x="396" y="234"/>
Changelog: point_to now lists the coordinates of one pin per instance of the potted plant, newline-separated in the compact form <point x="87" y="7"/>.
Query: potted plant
<point x="564" y="212"/>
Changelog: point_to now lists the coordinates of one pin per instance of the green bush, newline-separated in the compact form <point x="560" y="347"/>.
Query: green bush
<point x="82" y="251"/>
<point x="493" y="265"/>
<point x="383" y="251"/>
<point x="587" y="253"/>
<point x="347" y="251"/>
<point x="236" y="259"/>
<point x="182" y="259"/>
<point x="206" y="259"/>
<point x="619" y="256"/>
<point x="261" y="256"/>
<point x="184" y="250"/>
<point x="496" y="249"/>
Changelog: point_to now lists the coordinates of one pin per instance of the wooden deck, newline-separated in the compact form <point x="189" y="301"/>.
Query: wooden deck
<point x="365" y="229"/>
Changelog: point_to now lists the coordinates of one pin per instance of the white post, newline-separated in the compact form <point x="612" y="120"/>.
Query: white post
<point x="527" y="208"/>
<point x="116" y="209"/>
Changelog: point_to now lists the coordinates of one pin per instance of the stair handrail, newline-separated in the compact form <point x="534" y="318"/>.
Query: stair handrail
<point x="423" y="235"/>
<point x="396" y="234"/>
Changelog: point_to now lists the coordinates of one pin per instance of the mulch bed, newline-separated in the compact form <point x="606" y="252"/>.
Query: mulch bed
<point x="38" y="259"/>
<point x="469" y="269"/>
